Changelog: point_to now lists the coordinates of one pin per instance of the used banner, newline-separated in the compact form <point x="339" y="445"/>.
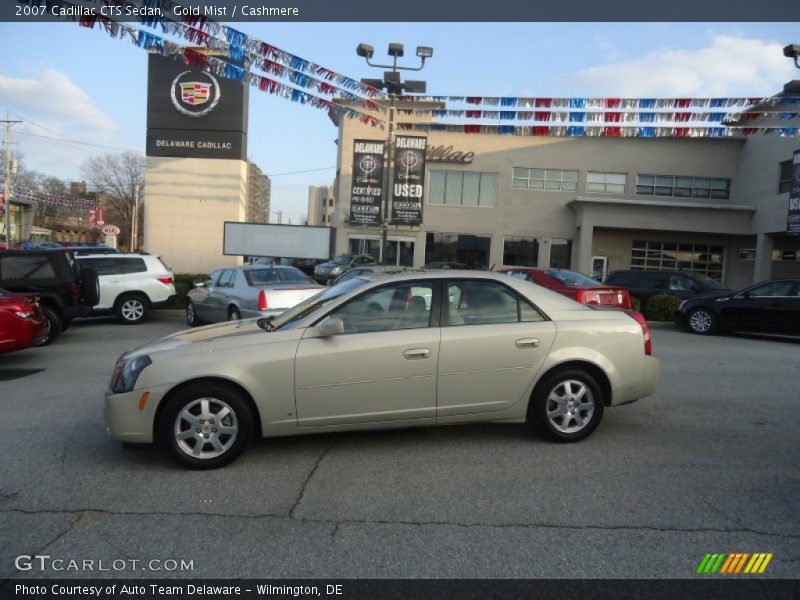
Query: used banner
<point x="366" y="192"/>
<point x="409" y="180"/>
<point x="793" y="218"/>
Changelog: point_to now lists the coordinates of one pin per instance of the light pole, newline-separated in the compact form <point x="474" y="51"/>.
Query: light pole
<point x="394" y="86"/>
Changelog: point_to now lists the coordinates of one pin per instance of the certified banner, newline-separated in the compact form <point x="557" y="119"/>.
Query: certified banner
<point x="366" y="192"/>
<point x="409" y="180"/>
<point x="793" y="218"/>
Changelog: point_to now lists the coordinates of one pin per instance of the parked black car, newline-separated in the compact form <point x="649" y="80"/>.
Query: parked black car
<point x="66" y="289"/>
<point x="645" y="284"/>
<point x="326" y="271"/>
<point x="771" y="306"/>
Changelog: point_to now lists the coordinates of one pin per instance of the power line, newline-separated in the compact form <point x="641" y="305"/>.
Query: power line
<point x="298" y="172"/>
<point x="69" y="141"/>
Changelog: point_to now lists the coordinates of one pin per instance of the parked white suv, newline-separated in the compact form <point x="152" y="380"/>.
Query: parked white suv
<point x="130" y="284"/>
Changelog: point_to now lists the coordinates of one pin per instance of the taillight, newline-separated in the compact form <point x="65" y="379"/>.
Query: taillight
<point x="262" y="300"/>
<point x="648" y="344"/>
<point x="588" y="297"/>
<point x="165" y="280"/>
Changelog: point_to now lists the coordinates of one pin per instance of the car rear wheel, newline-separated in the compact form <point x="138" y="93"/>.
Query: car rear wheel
<point x="567" y="406"/>
<point x="234" y="314"/>
<point x="206" y="426"/>
<point x="132" y="309"/>
<point x="55" y="325"/>
<point x="702" y="320"/>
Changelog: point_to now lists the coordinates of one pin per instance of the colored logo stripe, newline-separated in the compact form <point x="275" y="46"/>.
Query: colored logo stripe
<point x="734" y="563"/>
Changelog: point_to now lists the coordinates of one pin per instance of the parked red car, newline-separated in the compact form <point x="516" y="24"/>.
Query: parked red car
<point x="22" y="323"/>
<point x="573" y="285"/>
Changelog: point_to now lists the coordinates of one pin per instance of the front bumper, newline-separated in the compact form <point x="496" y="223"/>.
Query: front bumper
<point x="124" y="420"/>
<point x="651" y="372"/>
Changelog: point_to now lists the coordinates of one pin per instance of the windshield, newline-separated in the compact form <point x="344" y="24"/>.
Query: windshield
<point x="342" y="259"/>
<point x="290" y="318"/>
<point x="708" y="283"/>
<point x="570" y="278"/>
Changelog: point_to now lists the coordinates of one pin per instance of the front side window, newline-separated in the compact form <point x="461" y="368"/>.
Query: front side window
<point x="399" y="306"/>
<point x="773" y="289"/>
<point x="485" y="303"/>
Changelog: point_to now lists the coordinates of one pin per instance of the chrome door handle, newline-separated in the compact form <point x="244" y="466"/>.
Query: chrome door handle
<point x="417" y="353"/>
<point x="527" y="343"/>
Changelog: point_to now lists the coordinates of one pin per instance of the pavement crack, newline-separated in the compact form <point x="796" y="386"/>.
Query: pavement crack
<point x="308" y="479"/>
<point x="73" y="522"/>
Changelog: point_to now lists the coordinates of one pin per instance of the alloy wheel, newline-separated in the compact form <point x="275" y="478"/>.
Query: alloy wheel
<point x="206" y="428"/>
<point x="132" y="309"/>
<point x="570" y="406"/>
<point x="700" y="321"/>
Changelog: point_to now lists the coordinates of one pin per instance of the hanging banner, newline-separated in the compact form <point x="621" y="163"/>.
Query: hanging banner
<point x="366" y="191"/>
<point x="409" y="180"/>
<point x="793" y="218"/>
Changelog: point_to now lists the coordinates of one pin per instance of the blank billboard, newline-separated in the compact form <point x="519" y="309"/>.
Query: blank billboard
<point x="256" y="239"/>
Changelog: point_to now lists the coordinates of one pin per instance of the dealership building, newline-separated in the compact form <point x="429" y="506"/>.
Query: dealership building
<point x="716" y="206"/>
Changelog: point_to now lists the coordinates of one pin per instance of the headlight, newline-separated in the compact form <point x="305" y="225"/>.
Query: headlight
<point x="336" y="270"/>
<point x="127" y="371"/>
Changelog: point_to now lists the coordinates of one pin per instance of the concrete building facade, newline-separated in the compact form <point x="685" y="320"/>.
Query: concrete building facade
<point x="321" y="205"/>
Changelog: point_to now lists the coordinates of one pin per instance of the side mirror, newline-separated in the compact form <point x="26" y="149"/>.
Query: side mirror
<point x="332" y="326"/>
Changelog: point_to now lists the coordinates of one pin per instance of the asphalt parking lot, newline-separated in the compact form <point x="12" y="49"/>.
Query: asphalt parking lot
<point x="710" y="463"/>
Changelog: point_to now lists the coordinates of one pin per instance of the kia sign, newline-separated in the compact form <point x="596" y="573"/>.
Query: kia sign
<point x="110" y="230"/>
<point x="409" y="180"/>
<point x="793" y="217"/>
<point x="366" y="192"/>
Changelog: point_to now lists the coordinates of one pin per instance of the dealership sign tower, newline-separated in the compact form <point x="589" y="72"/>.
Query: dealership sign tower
<point x="196" y="163"/>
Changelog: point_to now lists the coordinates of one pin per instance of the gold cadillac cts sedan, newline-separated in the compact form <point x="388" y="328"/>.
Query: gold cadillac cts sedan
<point x="432" y="348"/>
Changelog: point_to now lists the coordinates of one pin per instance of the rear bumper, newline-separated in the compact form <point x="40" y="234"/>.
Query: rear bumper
<point x="163" y="303"/>
<point x="648" y="383"/>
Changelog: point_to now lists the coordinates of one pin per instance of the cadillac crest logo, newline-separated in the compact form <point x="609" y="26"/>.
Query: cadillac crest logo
<point x="409" y="159"/>
<point x="368" y="164"/>
<point x="195" y="94"/>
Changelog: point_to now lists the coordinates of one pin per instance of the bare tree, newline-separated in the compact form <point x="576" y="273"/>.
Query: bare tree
<point x="115" y="177"/>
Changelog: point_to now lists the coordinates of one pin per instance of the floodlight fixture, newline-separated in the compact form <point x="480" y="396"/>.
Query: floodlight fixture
<point x="365" y="50"/>
<point x="395" y="50"/>
<point x="424" y="52"/>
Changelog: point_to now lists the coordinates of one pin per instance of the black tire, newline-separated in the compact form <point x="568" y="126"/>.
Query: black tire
<point x="132" y="309"/>
<point x="234" y="314"/>
<point x="702" y="321"/>
<point x="192" y="320"/>
<point x="65" y="324"/>
<point x="174" y="421"/>
<point x="90" y="286"/>
<point x="572" y="420"/>
<point x="55" y="324"/>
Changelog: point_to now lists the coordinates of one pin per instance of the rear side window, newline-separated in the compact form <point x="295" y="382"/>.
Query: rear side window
<point x="103" y="266"/>
<point x="26" y="268"/>
<point x="132" y="265"/>
<point x="487" y="302"/>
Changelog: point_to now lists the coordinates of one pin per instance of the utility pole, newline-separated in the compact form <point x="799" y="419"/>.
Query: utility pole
<point x="135" y="219"/>
<point x="7" y="190"/>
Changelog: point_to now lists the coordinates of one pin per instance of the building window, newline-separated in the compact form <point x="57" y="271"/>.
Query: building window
<point x="663" y="256"/>
<point x="520" y="252"/>
<point x="605" y="183"/>
<point x="469" y="250"/>
<point x="460" y="188"/>
<point x="551" y="180"/>
<point x="683" y="187"/>
<point x="747" y="254"/>
<point x="330" y="201"/>
<point x="560" y="254"/>
<point x="785" y="177"/>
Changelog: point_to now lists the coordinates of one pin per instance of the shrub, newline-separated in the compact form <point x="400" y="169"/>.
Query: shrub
<point x="636" y="304"/>
<point x="662" y="307"/>
<point x="183" y="283"/>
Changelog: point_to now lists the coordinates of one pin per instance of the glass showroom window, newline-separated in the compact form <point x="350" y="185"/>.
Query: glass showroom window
<point x="605" y="183"/>
<point x="520" y="252"/>
<point x="460" y="188"/>
<point x="663" y="256"/>
<point x="560" y="254"/>
<point x="470" y="250"/>
<point x="683" y="187"/>
<point x="551" y="180"/>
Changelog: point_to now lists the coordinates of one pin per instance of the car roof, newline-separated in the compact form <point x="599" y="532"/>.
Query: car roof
<point x="113" y="255"/>
<point x="262" y="267"/>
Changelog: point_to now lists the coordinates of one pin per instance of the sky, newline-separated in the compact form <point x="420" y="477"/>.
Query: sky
<point x="73" y="83"/>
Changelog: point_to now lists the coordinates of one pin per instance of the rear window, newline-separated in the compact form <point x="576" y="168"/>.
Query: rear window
<point x="570" y="278"/>
<point x="26" y="268"/>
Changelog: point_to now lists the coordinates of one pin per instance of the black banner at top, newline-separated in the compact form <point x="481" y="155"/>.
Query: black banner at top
<point x="408" y="182"/>
<point x="793" y="218"/>
<point x="366" y="191"/>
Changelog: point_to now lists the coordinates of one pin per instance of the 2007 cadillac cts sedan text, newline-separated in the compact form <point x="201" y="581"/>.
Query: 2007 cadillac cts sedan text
<point x="399" y="351"/>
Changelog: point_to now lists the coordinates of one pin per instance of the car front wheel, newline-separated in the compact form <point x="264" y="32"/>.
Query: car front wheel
<point x="191" y="315"/>
<point x="206" y="426"/>
<point x="567" y="406"/>
<point x="702" y="320"/>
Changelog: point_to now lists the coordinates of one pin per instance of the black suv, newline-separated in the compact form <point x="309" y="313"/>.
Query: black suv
<point x="645" y="284"/>
<point x="66" y="289"/>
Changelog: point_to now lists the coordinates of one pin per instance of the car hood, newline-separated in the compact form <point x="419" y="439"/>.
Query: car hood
<point x="219" y="333"/>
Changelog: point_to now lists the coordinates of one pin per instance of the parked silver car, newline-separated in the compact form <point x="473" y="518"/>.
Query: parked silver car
<point x="246" y="292"/>
<point x="433" y="348"/>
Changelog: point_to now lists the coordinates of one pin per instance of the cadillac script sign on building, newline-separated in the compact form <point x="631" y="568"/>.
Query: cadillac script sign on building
<point x="793" y="218"/>
<point x="408" y="183"/>
<point x="366" y="192"/>
<point x="191" y="113"/>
